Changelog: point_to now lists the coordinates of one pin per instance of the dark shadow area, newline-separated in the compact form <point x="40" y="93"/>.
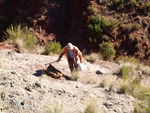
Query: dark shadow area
<point x="41" y="72"/>
<point x="66" y="77"/>
<point x="38" y="73"/>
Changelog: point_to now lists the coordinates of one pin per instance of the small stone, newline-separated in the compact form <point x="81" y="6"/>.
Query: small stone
<point x="99" y="72"/>
<point x="37" y="85"/>
<point x="22" y="103"/>
<point x="2" y="96"/>
<point x="108" y="104"/>
<point x="118" y="110"/>
<point x="59" y="92"/>
<point x="13" y="72"/>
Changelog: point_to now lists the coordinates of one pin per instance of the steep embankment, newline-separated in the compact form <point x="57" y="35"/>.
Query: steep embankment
<point x="24" y="89"/>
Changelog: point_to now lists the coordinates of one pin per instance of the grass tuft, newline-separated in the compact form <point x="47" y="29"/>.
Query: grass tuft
<point x="93" y="57"/>
<point x="54" y="108"/>
<point x="102" y="83"/>
<point x="91" y="107"/>
<point x="111" y="87"/>
<point x="75" y="76"/>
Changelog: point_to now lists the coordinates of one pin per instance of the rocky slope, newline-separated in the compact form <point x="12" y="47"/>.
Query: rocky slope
<point x="23" y="87"/>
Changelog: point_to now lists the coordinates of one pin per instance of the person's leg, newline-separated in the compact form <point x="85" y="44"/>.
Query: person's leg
<point x="76" y="67"/>
<point x="71" y="66"/>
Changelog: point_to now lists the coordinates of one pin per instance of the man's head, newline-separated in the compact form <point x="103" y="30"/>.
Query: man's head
<point x="69" y="46"/>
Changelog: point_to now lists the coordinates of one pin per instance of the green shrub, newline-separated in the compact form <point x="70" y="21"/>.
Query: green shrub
<point x="126" y="72"/>
<point x="26" y="37"/>
<point x="97" y="25"/>
<point x="146" y="7"/>
<point x="105" y="38"/>
<point x="144" y="105"/>
<point x="108" y="24"/>
<point x="91" y="9"/>
<point x="94" y="25"/>
<point x="136" y="26"/>
<point x="52" y="48"/>
<point x="107" y="50"/>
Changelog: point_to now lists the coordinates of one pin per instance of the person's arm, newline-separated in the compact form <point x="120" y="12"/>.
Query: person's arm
<point x="61" y="55"/>
<point x="79" y="54"/>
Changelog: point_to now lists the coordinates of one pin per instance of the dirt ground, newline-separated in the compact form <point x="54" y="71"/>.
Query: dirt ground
<point x="25" y="89"/>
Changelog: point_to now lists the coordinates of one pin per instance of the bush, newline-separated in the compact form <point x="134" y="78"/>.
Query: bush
<point x="136" y="27"/>
<point x="21" y="37"/>
<point x="107" y="50"/>
<point x="126" y="72"/>
<point x="124" y="87"/>
<point x="94" y="25"/>
<point x="109" y="24"/>
<point x="97" y="25"/>
<point x="52" y="48"/>
<point x="144" y="105"/>
<point x="146" y="7"/>
<point x="91" y="9"/>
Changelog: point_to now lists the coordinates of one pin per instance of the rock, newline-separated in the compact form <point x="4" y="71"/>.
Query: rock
<point x="108" y="104"/>
<point x="13" y="72"/>
<point x="99" y="72"/>
<point x="38" y="85"/>
<point x="118" y="110"/>
<point x="2" y="96"/>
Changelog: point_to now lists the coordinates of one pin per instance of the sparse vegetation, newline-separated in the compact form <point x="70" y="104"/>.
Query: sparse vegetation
<point x="131" y="84"/>
<point x="54" y="108"/>
<point x="126" y="72"/>
<point x="52" y="48"/>
<point x="124" y="85"/>
<point x="95" y="26"/>
<point x="21" y="37"/>
<point x="92" y="81"/>
<point x="75" y="76"/>
<point x="111" y="87"/>
<point x="91" y="9"/>
<point x="98" y="25"/>
<point x="91" y="107"/>
<point x="107" y="50"/>
<point x="93" y="57"/>
<point x="102" y="83"/>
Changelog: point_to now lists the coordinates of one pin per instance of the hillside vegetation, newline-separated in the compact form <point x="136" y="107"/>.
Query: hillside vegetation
<point x="125" y="23"/>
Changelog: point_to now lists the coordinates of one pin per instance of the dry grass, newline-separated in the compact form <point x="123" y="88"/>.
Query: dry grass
<point x="93" y="57"/>
<point x="75" y="75"/>
<point x="102" y="83"/>
<point x="124" y="85"/>
<point x="92" y="81"/>
<point x="111" y="87"/>
<point x="144" y="68"/>
<point x="55" y="108"/>
<point x="91" y="107"/>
